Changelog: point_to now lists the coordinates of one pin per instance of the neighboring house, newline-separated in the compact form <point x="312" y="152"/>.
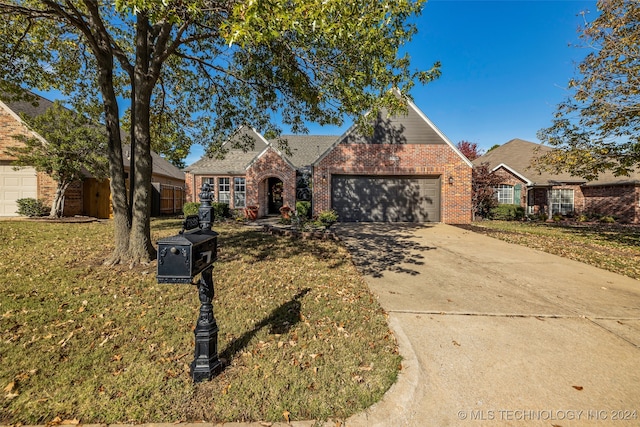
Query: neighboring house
<point x="90" y="196"/>
<point x="547" y="193"/>
<point x="406" y="171"/>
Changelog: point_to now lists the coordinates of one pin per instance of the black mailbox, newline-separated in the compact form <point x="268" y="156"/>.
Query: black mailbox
<point x="182" y="257"/>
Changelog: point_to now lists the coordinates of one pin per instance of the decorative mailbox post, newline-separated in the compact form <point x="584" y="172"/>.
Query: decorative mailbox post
<point x="180" y="259"/>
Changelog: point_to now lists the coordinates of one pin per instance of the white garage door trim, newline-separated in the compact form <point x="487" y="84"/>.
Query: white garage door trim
<point x="14" y="185"/>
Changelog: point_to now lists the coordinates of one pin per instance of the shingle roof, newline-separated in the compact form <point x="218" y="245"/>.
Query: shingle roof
<point x="517" y="155"/>
<point x="235" y="160"/>
<point x="160" y="165"/>
<point x="31" y="108"/>
<point x="305" y="149"/>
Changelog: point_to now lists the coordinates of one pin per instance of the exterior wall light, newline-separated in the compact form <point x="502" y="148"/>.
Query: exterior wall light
<point x="450" y="180"/>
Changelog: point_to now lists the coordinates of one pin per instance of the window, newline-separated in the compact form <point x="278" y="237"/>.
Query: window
<point x="239" y="194"/>
<point x="561" y="201"/>
<point x="504" y="194"/>
<point x="224" y="190"/>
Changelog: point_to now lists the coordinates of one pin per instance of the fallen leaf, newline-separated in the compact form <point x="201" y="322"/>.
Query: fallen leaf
<point x="286" y="414"/>
<point x="73" y="422"/>
<point x="456" y="343"/>
<point x="9" y="388"/>
<point x="578" y="387"/>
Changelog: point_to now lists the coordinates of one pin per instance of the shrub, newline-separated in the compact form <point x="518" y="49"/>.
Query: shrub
<point x="32" y="207"/>
<point x="507" y="212"/>
<point x="327" y="218"/>
<point x="557" y="217"/>
<point x="582" y="218"/>
<point x="303" y="209"/>
<point x="220" y="211"/>
<point x="190" y="208"/>
<point x="607" y="219"/>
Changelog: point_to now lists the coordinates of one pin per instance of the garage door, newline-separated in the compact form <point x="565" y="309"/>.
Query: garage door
<point x="15" y="185"/>
<point x="386" y="198"/>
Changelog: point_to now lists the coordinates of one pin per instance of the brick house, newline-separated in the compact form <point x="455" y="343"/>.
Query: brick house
<point x="90" y="196"/>
<point x="547" y="193"/>
<point x="405" y="171"/>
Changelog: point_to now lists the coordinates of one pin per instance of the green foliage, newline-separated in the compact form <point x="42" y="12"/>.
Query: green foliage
<point x="327" y="218"/>
<point x="597" y="128"/>
<point x="607" y="219"/>
<point x="303" y="209"/>
<point x="506" y="212"/>
<point x="190" y="208"/>
<point x="221" y="211"/>
<point x="31" y="207"/>
<point x="557" y="217"/>
<point x="197" y="71"/>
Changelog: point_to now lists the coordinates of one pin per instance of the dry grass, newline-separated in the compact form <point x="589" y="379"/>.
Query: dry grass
<point x="302" y="336"/>
<point x="611" y="247"/>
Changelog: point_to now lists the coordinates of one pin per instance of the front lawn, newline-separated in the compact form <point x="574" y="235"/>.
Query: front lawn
<point x="611" y="247"/>
<point x="301" y="335"/>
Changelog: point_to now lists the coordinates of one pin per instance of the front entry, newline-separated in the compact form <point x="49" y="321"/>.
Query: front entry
<point x="275" y="196"/>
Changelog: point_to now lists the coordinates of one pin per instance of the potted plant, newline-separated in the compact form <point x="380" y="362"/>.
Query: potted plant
<point x="285" y="211"/>
<point x="251" y="212"/>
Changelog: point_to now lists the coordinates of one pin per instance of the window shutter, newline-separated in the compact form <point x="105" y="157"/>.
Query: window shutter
<point x="517" y="189"/>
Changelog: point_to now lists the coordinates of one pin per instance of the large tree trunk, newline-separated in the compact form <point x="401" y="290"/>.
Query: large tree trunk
<point x="116" y="169"/>
<point x="140" y="247"/>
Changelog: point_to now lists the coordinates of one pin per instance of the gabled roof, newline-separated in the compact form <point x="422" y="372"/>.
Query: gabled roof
<point x="235" y="160"/>
<point x="33" y="108"/>
<point x="160" y="166"/>
<point x="516" y="156"/>
<point x="304" y="149"/>
<point x="414" y="127"/>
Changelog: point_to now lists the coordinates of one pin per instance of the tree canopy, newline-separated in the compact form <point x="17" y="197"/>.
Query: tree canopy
<point x="208" y="67"/>
<point x="469" y="149"/>
<point x="597" y="128"/>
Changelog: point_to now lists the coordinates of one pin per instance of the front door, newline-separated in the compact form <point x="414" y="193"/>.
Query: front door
<point x="275" y="195"/>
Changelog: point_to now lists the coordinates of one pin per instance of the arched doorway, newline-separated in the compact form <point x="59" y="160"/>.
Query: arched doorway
<point x="275" y="193"/>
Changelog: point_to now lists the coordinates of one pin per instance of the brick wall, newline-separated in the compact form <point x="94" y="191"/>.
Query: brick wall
<point x="9" y="125"/>
<point x="619" y="201"/>
<point x="270" y="165"/>
<point x="397" y="160"/>
<point x="510" y="179"/>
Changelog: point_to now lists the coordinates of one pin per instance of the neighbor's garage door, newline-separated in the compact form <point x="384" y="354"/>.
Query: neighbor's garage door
<point x="386" y="198"/>
<point x="15" y="185"/>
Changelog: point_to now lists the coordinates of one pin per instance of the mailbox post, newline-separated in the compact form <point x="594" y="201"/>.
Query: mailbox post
<point x="180" y="259"/>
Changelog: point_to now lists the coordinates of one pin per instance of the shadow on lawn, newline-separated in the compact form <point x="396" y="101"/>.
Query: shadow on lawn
<point x="256" y="245"/>
<point x="280" y="321"/>
<point x="379" y="247"/>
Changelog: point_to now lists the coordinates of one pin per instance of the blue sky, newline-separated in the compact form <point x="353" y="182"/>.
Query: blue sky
<point x="505" y="66"/>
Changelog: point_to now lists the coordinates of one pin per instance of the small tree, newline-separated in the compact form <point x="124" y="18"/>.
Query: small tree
<point x="469" y="149"/>
<point x="483" y="185"/>
<point x="65" y="145"/>
<point x="597" y="128"/>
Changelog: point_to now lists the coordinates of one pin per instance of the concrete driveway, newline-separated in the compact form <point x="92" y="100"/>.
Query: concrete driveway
<point x="495" y="334"/>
